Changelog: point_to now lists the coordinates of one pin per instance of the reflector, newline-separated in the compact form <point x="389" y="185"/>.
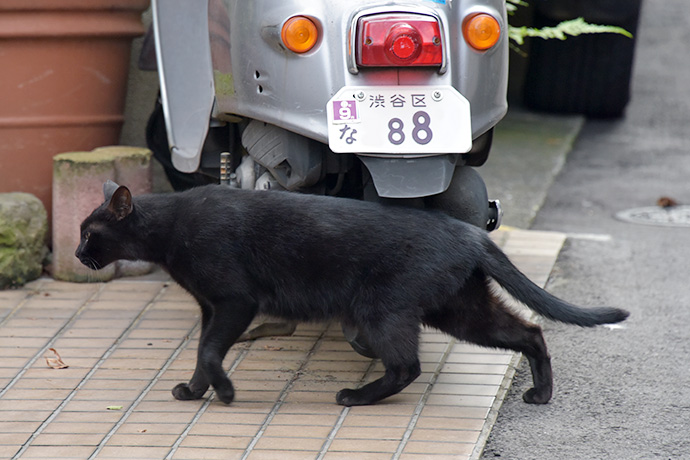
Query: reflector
<point x="403" y="43"/>
<point x="481" y="31"/>
<point x="403" y="47"/>
<point x="299" y="34"/>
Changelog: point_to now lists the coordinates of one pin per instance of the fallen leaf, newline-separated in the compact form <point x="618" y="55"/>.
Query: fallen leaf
<point x="53" y="360"/>
<point x="666" y="202"/>
<point x="143" y="430"/>
<point x="272" y="348"/>
<point x="114" y="407"/>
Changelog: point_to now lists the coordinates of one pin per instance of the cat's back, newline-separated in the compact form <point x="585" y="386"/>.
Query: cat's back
<point x="290" y="208"/>
<point x="258" y="234"/>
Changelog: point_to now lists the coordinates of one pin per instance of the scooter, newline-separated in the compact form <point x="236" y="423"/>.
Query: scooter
<point x="392" y="101"/>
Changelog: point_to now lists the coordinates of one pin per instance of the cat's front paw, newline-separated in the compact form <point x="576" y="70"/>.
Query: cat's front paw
<point x="227" y="395"/>
<point x="534" y="396"/>
<point x="184" y="392"/>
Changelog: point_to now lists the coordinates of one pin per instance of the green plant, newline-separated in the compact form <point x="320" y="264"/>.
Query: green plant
<point x="573" y="28"/>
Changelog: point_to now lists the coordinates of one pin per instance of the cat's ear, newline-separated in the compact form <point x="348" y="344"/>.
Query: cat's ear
<point x="121" y="203"/>
<point x="109" y="188"/>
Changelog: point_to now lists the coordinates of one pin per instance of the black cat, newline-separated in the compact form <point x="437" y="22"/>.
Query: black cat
<point x="385" y="270"/>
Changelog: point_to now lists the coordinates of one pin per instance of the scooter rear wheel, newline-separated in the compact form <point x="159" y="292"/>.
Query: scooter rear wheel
<point x="465" y="199"/>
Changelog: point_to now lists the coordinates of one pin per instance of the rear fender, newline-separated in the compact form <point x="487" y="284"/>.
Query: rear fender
<point x="186" y="77"/>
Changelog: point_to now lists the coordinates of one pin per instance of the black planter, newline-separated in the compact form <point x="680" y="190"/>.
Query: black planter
<point x="589" y="74"/>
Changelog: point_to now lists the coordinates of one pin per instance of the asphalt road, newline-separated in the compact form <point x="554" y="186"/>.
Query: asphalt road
<point x="619" y="393"/>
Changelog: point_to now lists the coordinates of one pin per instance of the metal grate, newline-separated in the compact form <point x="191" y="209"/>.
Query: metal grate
<point x="674" y="216"/>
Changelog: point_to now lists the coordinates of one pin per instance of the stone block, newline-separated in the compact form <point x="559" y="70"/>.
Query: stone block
<point x="23" y="230"/>
<point x="78" y="179"/>
<point x="133" y="169"/>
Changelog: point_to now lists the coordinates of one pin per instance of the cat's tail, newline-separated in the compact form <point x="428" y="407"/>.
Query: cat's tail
<point x="497" y="265"/>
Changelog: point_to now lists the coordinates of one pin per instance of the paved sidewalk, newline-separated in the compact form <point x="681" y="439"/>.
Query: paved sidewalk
<point x="128" y="342"/>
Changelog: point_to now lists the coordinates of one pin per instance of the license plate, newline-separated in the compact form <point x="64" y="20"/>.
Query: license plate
<point x="399" y="120"/>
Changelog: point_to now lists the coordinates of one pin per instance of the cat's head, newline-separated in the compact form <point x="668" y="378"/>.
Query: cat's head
<point x="104" y="233"/>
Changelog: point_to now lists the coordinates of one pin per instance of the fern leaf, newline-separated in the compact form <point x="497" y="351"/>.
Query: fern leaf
<point x="511" y="5"/>
<point x="572" y="28"/>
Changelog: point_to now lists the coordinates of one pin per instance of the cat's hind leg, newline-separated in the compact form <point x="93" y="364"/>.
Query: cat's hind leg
<point x="397" y="345"/>
<point x="480" y="316"/>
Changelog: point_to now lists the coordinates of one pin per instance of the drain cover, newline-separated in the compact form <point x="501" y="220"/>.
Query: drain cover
<point x="675" y="216"/>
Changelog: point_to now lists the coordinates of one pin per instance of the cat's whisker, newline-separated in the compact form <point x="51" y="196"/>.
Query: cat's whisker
<point x="93" y="264"/>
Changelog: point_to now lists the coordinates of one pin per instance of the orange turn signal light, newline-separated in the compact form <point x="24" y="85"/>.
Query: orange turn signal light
<point x="299" y="34"/>
<point x="481" y="31"/>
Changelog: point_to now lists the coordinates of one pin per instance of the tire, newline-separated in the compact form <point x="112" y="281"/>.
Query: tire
<point x="465" y="199"/>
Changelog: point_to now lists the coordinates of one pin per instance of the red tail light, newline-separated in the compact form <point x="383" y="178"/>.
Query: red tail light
<point x="398" y="40"/>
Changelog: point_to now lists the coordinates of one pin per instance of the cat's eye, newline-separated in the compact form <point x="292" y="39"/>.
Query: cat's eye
<point x="87" y="235"/>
